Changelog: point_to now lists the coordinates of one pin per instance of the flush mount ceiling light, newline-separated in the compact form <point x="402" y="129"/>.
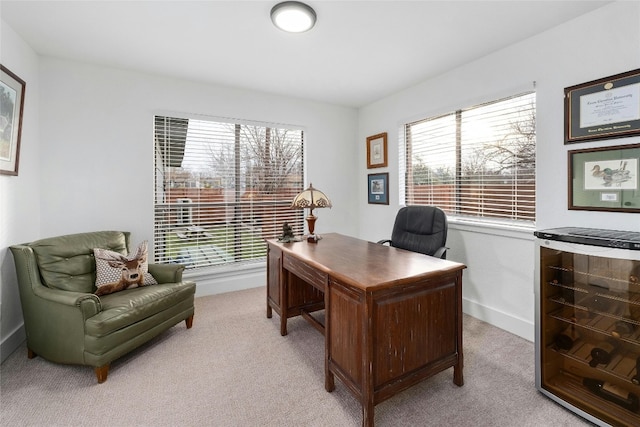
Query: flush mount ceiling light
<point x="293" y="16"/>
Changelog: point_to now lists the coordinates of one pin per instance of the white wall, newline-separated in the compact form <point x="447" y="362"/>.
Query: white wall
<point x="97" y="143"/>
<point x="97" y="150"/>
<point x="19" y="195"/>
<point x="498" y="284"/>
<point x="95" y="157"/>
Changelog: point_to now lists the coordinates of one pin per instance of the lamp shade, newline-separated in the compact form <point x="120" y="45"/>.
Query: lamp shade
<point x="311" y="198"/>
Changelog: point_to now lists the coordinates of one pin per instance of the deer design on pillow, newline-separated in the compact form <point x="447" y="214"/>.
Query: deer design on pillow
<point x="132" y="275"/>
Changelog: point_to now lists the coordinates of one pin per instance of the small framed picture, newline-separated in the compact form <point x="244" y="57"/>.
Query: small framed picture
<point x="12" y="95"/>
<point x="377" y="151"/>
<point x="379" y="188"/>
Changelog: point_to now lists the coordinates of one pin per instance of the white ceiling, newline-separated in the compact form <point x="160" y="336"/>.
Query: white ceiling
<point x="358" y="52"/>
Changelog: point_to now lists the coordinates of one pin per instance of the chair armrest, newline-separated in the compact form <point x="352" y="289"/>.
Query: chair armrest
<point x="441" y="253"/>
<point x="382" y="242"/>
<point x="166" y="273"/>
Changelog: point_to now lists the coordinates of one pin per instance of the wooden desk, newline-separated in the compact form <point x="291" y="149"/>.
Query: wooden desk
<point x="392" y="317"/>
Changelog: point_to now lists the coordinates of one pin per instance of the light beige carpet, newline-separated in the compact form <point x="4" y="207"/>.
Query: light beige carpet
<point x="234" y="369"/>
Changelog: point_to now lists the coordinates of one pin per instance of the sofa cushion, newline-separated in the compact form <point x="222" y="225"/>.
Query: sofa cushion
<point x="116" y="272"/>
<point x="67" y="262"/>
<point x="122" y="309"/>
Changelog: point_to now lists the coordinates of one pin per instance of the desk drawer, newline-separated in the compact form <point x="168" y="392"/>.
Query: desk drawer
<point x="314" y="277"/>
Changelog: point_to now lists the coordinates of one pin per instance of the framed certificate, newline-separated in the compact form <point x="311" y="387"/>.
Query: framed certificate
<point x="603" y="109"/>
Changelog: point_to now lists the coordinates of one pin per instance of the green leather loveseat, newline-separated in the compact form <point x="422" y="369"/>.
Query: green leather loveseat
<point x="66" y="322"/>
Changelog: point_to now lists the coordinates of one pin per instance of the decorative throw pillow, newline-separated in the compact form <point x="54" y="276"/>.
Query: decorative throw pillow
<point x="116" y="272"/>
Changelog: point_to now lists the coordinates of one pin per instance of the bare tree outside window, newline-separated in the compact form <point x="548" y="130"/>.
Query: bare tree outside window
<point x="477" y="162"/>
<point x="230" y="189"/>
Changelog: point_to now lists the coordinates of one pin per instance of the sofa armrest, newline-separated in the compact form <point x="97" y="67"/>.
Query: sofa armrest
<point x="166" y="273"/>
<point x="89" y="304"/>
<point x="32" y="288"/>
<point x="62" y="340"/>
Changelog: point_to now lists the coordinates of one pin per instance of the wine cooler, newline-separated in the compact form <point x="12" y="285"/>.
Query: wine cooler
<point x="588" y="322"/>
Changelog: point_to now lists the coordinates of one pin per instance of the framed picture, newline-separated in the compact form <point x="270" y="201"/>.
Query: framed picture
<point x="605" y="179"/>
<point x="377" y="151"/>
<point x="11" y="107"/>
<point x="379" y="188"/>
<point x="603" y="109"/>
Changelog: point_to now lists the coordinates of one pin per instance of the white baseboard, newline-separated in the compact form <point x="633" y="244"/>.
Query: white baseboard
<point x="12" y="342"/>
<point x="228" y="280"/>
<point x="521" y="327"/>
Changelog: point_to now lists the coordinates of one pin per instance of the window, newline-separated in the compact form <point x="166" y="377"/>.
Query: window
<point x="478" y="162"/>
<point x="221" y="188"/>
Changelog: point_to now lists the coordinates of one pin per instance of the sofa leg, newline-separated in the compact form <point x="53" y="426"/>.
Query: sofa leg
<point x="101" y="373"/>
<point x="30" y="353"/>
<point x="189" y="321"/>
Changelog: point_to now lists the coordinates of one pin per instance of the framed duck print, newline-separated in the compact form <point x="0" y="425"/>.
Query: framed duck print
<point x="605" y="179"/>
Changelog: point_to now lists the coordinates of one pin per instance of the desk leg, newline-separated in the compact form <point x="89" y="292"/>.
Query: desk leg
<point x="329" y="379"/>
<point x="284" y="300"/>
<point x="367" y="413"/>
<point x="457" y="368"/>
<point x="329" y="382"/>
<point x="457" y="373"/>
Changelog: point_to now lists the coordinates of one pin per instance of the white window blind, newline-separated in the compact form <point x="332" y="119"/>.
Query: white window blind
<point x="222" y="188"/>
<point x="478" y="162"/>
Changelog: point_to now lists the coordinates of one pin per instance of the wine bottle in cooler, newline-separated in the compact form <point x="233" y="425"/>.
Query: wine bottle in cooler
<point x="636" y="377"/>
<point x="566" y="339"/>
<point x="603" y="353"/>
<point x="612" y="393"/>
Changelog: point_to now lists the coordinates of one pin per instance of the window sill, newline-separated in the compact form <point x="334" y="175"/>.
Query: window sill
<point x="516" y="231"/>
<point x="221" y="272"/>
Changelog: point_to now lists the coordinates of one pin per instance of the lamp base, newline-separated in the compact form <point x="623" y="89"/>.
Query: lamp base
<point x="311" y="224"/>
<point x="313" y="238"/>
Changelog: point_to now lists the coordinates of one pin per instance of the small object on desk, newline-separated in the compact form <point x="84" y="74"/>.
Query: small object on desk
<point x="287" y="235"/>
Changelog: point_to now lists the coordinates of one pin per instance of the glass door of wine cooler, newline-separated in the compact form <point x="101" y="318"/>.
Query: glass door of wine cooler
<point x="588" y="330"/>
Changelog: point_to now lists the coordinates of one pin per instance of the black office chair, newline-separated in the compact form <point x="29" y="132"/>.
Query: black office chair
<point x="420" y="229"/>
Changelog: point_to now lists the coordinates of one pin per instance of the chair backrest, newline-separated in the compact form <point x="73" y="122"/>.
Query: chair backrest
<point x="420" y="229"/>
<point x="67" y="262"/>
